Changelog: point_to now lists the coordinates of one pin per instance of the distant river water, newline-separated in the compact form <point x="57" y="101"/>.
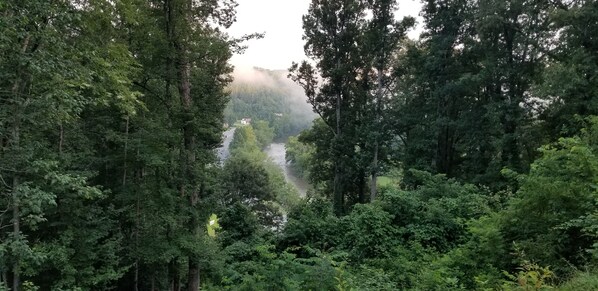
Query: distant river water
<point x="227" y="138"/>
<point x="276" y="152"/>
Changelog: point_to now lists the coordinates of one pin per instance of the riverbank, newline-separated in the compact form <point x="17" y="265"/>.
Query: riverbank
<point x="277" y="153"/>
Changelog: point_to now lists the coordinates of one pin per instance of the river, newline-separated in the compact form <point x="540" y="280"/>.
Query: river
<point x="227" y="138"/>
<point x="277" y="152"/>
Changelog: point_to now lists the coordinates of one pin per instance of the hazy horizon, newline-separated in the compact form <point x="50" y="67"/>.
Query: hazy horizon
<point x="282" y="24"/>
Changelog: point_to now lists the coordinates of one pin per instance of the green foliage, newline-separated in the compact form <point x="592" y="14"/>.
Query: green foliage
<point x="530" y="277"/>
<point x="245" y="140"/>
<point x="569" y="80"/>
<point x="263" y="132"/>
<point x="581" y="280"/>
<point x="436" y="213"/>
<point x="267" y="269"/>
<point x="559" y="189"/>
<point x="212" y="226"/>
<point x="111" y="112"/>
<point x="310" y="225"/>
<point x="248" y="182"/>
<point x="299" y="155"/>
<point x="402" y="238"/>
<point x="369" y="232"/>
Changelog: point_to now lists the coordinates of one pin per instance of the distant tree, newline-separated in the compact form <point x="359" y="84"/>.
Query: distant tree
<point x="264" y="133"/>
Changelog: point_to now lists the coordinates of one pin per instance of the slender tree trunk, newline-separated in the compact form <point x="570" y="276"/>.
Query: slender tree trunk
<point x="338" y="194"/>
<point x="175" y="281"/>
<point x="339" y="202"/>
<point x="137" y="223"/>
<point x="61" y="139"/>
<point x="362" y="187"/>
<point x="125" y="154"/>
<point x="444" y="137"/>
<point x="374" y="181"/>
<point x="378" y="101"/>
<point x="188" y="188"/>
<point x="136" y="287"/>
<point x="16" y="215"/>
<point x="193" y="273"/>
<point x="16" y="279"/>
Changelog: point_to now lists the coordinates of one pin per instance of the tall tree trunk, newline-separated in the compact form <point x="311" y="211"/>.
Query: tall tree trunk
<point x="361" y="185"/>
<point x="444" y="138"/>
<point x="61" y="139"/>
<point x="511" y="117"/>
<point x="16" y="143"/>
<point x="137" y="223"/>
<point x="16" y="279"/>
<point x="190" y="181"/>
<point x="189" y="159"/>
<point x="339" y="202"/>
<point x="16" y="215"/>
<point x="125" y="151"/>
<point x="338" y="193"/>
<point x="175" y="280"/>
<point x="377" y="108"/>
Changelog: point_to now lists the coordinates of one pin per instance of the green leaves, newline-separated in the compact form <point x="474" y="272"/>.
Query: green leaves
<point x="212" y="226"/>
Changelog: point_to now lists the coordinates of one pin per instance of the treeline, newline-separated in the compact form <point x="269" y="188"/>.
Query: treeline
<point x="483" y="131"/>
<point x="485" y="86"/>
<point x="110" y="112"/>
<point x="267" y="95"/>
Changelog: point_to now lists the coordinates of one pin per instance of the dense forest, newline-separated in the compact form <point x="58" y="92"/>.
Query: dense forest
<point x="464" y="160"/>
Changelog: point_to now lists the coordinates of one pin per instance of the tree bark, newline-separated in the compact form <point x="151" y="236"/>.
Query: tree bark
<point x="16" y="279"/>
<point x="61" y="139"/>
<point x="339" y="202"/>
<point x="377" y="108"/>
<point x="338" y="194"/>
<point x="16" y="215"/>
<point x="125" y="152"/>
<point x="189" y="159"/>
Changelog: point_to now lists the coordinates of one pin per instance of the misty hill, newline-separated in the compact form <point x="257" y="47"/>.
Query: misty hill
<point x="262" y="94"/>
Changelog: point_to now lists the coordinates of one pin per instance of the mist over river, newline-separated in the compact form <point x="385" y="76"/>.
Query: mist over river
<point x="277" y="152"/>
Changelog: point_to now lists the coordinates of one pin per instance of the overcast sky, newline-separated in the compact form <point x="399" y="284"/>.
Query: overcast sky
<point x="281" y="21"/>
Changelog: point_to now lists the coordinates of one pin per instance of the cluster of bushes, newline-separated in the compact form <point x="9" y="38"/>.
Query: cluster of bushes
<point x="441" y="234"/>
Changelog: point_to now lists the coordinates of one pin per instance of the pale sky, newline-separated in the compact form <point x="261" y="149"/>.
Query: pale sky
<point x="281" y="21"/>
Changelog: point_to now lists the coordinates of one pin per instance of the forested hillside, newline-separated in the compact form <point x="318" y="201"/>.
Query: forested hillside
<point x="466" y="159"/>
<point x="267" y="95"/>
